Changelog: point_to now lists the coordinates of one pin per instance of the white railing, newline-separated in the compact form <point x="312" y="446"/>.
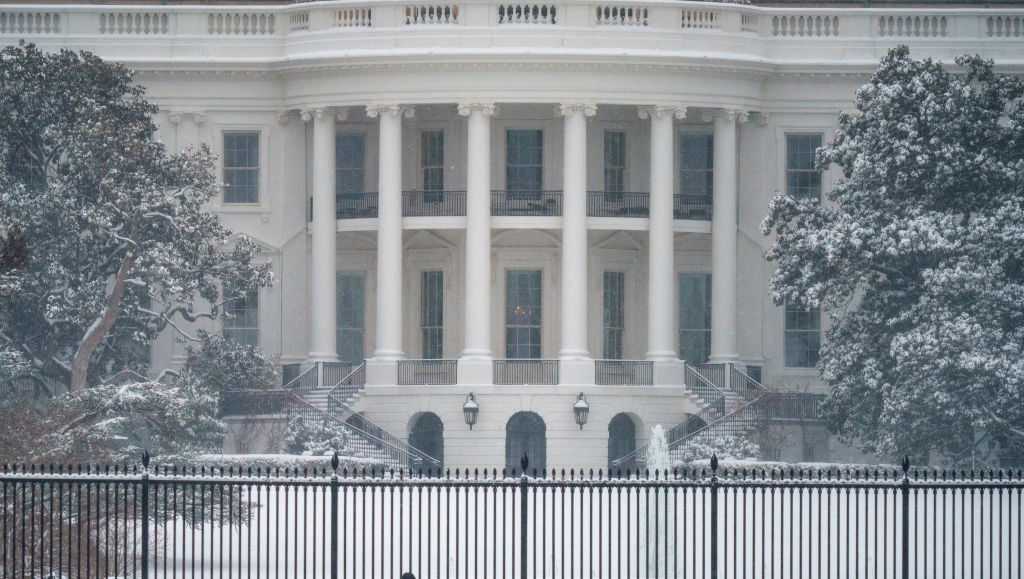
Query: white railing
<point x="298" y="21"/>
<point x="527" y="13"/>
<point x="134" y="23"/>
<point x="700" y="19"/>
<point x="241" y="23"/>
<point x="431" y="14"/>
<point x="30" y="23"/>
<point x="612" y="15"/>
<point x="907" y="26"/>
<point x="815" y="26"/>
<point x="1005" y="26"/>
<point x="354" y="18"/>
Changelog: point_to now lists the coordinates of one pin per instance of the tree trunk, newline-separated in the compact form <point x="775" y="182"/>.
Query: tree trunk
<point x="96" y="333"/>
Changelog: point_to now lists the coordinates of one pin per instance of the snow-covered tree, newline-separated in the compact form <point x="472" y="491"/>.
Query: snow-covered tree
<point x="917" y="255"/>
<point x="220" y="364"/>
<point x="726" y="446"/>
<point x="119" y="243"/>
<point x="315" y="437"/>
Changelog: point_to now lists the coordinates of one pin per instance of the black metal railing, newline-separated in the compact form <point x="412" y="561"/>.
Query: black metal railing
<point x="311" y="521"/>
<point x="526" y="203"/>
<point x="618" y="204"/>
<point x="794" y="406"/>
<point x="428" y="372"/>
<point x="254" y="402"/>
<point x="434" y="203"/>
<point x="360" y="205"/>
<point x="624" y="372"/>
<point x="696" y="207"/>
<point x="525" y="372"/>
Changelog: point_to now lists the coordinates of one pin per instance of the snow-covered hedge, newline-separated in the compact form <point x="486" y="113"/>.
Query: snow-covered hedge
<point x="280" y="461"/>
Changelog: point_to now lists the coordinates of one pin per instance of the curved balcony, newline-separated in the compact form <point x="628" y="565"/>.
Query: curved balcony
<point x="520" y="203"/>
<point x="433" y="203"/>
<point x="692" y="207"/>
<point x="618" y="204"/>
<point x="361" y="205"/>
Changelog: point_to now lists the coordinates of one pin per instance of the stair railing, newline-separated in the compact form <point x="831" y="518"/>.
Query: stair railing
<point x="744" y="385"/>
<point x="307" y="380"/>
<point x="712" y="395"/>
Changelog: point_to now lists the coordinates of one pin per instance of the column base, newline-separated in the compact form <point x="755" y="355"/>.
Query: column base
<point x="576" y="371"/>
<point x="322" y="357"/>
<point x="669" y="372"/>
<point x="724" y="358"/>
<point x="476" y="371"/>
<point x="381" y="372"/>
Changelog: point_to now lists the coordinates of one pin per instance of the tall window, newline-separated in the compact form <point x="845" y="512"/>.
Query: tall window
<point x="523" y="314"/>
<point x="803" y="179"/>
<point x="242" y="319"/>
<point x="524" y="163"/>
<point x="351" y="317"/>
<point x="350" y="163"/>
<point x="432" y="313"/>
<point x="614" y="314"/>
<point x="432" y="161"/>
<point x="241" y="167"/>
<point x="696" y="164"/>
<point x="694" y="317"/>
<point x="802" y="336"/>
<point x="614" y="162"/>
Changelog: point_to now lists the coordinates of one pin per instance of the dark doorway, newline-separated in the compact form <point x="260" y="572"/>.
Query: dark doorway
<point x="427" y="436"/>
<point x="621" y="442"/>
<point x="526" y="433"/>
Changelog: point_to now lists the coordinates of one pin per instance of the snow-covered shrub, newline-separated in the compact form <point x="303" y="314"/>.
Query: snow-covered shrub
<point x="220" y="364"/>
<point x="315" y="437"/>
<point x="726" y="447"/>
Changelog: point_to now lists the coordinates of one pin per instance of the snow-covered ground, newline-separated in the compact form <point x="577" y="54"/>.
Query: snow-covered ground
<point x="439" y="530"/>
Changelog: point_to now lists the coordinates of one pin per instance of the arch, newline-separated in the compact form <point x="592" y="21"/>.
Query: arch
<point x="526" y="433"/>
<point x="621" y="442"/>
<point x="427" y="436"/>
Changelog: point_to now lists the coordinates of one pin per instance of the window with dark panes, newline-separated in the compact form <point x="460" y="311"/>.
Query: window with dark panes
<point x="803" y="179"/>
<point x="614" y="314"/>
<point x="432" y="161"/>
<point x="614" y="164"/>
<point x="241" y="167"/>
<point x="696" y="164"/>
<point x="351" y="316"/>
<point x="523" y="314"/>
<point x="695" y="317"/>
<point x="350" y="163"/>
<point x="524" y="163"/>
<point x="432" y="313"/>
<point x="241" y="319"/>
<point x="802" y="336"/>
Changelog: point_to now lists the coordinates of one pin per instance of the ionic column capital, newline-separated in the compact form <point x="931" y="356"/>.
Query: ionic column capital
<point x="662" y="112"/>
<point x="731" y="115"/>
<point x="485" y="109"/>
<point x="400" y="111"/>
<point x="199" y="118"/>
<point x="569" y="109"/>
<point x="320" y="113"/>
<point x="175" y="117"/>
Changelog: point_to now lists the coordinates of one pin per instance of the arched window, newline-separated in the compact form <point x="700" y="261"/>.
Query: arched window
<point x="427" y="436"/>
<point x="621" y="442"/>
<point x="526" y="433"/>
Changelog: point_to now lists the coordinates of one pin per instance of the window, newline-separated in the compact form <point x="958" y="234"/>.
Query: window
<point x="432" y="313"/>
<point x="523" y="314"/>
<point x="614" y="163"/>
<point x="803" y="179"/>
<point x="695" y="317"/>
<point x="432" y="161"/>
<point x="524" y="163"/>
<point x="241" y="319"/>
<point x="241" y="167"/>
<point x="614" y="314"/>
<point x="696" y="164"/>
<point x="351" y="320"/>
<point x="802" y="336"/>
<point x="350" y="163"/>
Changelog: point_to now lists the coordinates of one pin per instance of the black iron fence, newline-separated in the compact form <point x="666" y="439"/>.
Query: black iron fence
<point x="525" y="372"/>
<point x="434" y="203"/>
<point x="324" y="522"/>
<point x="356" y="205"/>
<point x="526" y="203"/>
<point x="695" y="207"/>
<point x="617" y="204"/>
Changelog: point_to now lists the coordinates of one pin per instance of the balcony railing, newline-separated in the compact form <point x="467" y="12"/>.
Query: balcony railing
<point x="618" y="204"/>
<point x="794" y="406"/>
<point x="361" y="205"/>
<point x="525" y="372"/>
<point x="624" y="372"/>
<point x="694" y="207"/>
<point x="434" y="203"/>
<point x="427" y="372"/>
<point x="506" y="203"/>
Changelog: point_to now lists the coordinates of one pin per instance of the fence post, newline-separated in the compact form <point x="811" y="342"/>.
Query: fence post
<point x="145" y="514"/>
<point x="524" y="513"/>
<point x="714" y="516"/>
<point x="906" y="517"/>
<point x="334" y="516"/>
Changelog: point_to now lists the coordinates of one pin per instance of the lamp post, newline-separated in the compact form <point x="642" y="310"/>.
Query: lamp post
<point x="581" y="409"/>
<point x="470" y="409"/>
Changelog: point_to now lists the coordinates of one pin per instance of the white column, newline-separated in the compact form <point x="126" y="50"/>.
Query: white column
<point x="723" y="240"/>
<point x="477" y="301"/>
<point x="389" y="231"/>
<point x="574" y="231"/>
<point x="661" y="260"/>
<point x="322" y="323"/>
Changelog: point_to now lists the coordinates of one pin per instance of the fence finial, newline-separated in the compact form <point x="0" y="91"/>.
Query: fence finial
<point x="906" y="464"/>
<point x="714" y="463"/>
<point x="335" y="461"/>
<point x="524" y="462"/>
<point x="145" y="458"/>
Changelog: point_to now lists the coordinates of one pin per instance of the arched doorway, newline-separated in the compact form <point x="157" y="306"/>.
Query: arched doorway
<point x="621" y="442"/>
<point x="526" y="433"/>
<point x="427" y="436"/>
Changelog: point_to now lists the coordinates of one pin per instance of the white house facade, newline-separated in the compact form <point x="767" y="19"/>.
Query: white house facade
<point x="518" y="227"/>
